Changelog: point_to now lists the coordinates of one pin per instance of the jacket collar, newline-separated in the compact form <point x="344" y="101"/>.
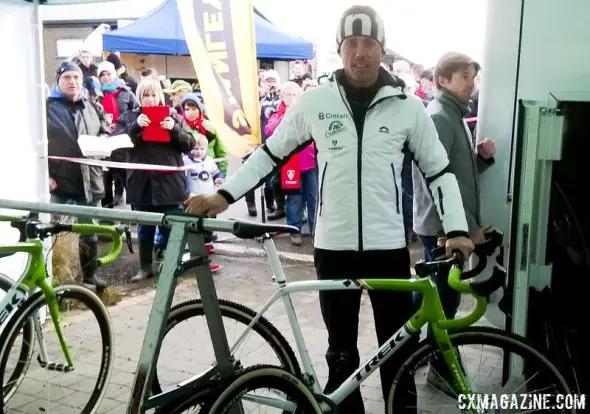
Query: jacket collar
<point x="388" y="85"/>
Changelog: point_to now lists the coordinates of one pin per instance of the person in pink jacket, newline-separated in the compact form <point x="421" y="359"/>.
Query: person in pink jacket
<point x="307" y="196"/>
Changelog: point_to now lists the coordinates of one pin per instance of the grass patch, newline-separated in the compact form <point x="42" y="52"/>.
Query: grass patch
<point x="65" y="260"/>
<point x="111" y="295"/>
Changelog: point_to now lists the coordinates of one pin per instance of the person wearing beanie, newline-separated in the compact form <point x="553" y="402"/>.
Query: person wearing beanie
<point x="92" y="86"/>
<point x="122" y="72"/>
<point x="69" y="115"/>
<point x="360" y="121"/>
<point x="116" y="101"/>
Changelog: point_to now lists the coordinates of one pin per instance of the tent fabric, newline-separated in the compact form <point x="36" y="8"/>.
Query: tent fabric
<point x="160" y="32"/>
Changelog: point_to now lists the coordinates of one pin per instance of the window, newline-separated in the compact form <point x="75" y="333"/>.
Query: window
<point x="68" y="47"/>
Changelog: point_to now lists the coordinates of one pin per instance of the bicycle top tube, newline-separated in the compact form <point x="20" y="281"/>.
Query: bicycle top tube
<point x="31" y="230"/>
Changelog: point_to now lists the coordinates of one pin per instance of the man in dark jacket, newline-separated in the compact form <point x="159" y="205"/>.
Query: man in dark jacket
<point x="69" y="115"/>
<point x="87" y="64"/>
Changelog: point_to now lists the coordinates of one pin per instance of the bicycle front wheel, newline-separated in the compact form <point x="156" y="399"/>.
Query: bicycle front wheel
<point x="289" y="393"/>
<point x="187" y="333"/>
<point x="26" y="345"/>
<point x="495" y="364"/>
<point x="51" y="384"/>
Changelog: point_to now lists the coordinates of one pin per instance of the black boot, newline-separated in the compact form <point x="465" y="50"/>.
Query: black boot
<point x="269" y="199"/>
<point x="88" y="255"/>
<point x="279" y="213"/>
<point x="145" y="261"/>
<point x="252" y="209"/>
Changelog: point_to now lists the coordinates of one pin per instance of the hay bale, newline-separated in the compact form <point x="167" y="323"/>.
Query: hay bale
<point x="65" y="258"/>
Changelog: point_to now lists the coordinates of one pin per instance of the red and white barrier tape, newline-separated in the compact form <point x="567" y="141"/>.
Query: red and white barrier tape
<point x="126" y="165"/>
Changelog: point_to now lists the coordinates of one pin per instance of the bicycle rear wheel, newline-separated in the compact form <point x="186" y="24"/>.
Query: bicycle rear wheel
<point x="433" y="386"/>
<point x="67" y="396"/>
<point x="26" y="348"/>
<point x="293" y="392"/>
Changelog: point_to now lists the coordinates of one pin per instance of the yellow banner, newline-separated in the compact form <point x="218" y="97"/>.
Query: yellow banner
<point x="220" y="38"/>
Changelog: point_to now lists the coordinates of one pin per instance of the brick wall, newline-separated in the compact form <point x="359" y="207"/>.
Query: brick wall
<point x="50" y="36"/>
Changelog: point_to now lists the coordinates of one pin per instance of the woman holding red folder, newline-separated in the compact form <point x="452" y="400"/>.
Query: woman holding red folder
<point x="160" y="136"/>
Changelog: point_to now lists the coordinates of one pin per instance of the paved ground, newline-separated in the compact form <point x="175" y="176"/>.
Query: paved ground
<point x="187" y="351"/>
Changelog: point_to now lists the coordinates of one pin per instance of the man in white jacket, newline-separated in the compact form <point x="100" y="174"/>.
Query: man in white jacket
<point x="360" y="121"/>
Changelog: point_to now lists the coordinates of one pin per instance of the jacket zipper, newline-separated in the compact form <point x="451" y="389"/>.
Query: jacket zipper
<point x="396" y="189"/>
<point x="322" y="187"/>
<point x="440" y="201"/>
<point x="359" y="160"/>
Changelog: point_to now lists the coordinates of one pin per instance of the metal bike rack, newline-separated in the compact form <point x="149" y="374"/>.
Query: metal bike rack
<point x="184" y="229"/>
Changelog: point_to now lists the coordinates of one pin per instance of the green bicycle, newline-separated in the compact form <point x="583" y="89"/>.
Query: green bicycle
<point x="513" y="373"/>
<point x="23" y="311"/>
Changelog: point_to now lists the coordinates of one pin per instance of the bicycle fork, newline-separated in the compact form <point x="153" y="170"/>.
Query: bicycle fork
<point x="43" y="357"/>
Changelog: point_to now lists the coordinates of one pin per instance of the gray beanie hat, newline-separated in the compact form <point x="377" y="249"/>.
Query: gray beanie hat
<point x="360" y="21"/>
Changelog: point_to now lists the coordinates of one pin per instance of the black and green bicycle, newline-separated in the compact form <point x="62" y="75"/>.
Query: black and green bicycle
<point x="69" y="324"/>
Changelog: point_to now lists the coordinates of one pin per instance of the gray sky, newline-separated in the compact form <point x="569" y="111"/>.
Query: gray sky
<point x="422" y="30"/>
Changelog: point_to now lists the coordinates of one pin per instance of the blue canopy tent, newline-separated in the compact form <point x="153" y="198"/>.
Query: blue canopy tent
<point x="160" y="32"/>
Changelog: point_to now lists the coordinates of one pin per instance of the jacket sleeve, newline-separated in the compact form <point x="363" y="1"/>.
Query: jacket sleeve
<point x="292" y="134"/>
<point x="432" y="160"/>
<point x="219" y="150"/>
<point x="181" y="136"/>
<point x="272" y="124"/>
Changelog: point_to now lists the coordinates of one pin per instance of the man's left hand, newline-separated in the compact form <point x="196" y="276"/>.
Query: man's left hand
<point x="486" y="148"/>
<point x="167" y="123"/>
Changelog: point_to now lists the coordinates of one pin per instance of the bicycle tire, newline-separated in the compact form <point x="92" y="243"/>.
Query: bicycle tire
<point x="242" y="314"/>
<point x="477" y="335"/>
<point x="266" y="376"/>
<point x="26" y="352"/>
<point x="94" y="303"/>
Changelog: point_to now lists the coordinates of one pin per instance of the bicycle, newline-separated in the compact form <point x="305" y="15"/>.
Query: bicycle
<point x="302" y="391"/>
<point x="21" y="313"/>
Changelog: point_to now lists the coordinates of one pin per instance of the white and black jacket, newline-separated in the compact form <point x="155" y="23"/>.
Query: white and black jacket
<point x="360" y="205"/>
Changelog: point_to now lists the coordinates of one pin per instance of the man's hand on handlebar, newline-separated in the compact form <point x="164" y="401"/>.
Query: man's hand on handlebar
<point x="206" y="205"/>
<point x="464" y="245"/>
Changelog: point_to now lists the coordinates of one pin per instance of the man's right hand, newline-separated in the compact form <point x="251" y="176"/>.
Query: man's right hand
<point x="52" y="184"/>
<point x="143" y="120"/>
<point x="462" y="244"/>
<point x="206" y="205"/>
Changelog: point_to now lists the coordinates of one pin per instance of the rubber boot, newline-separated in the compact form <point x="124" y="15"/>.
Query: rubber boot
<point x="88" y="255"/>
<point x="145" y="261"/>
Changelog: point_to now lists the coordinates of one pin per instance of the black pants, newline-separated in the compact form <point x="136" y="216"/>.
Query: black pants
<point x="340" y="310"/>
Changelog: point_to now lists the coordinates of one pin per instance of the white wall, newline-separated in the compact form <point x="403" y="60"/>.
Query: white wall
<point x="23" y="174"/>
<point x="554" y="57"/>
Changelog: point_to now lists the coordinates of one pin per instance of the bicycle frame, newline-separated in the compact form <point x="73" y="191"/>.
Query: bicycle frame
<point x="33" y="276"/>
<point x="430" y="311"/>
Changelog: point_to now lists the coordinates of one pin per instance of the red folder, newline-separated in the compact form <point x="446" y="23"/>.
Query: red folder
<point x="291" y="174"/>
<point x="154" y="132"/>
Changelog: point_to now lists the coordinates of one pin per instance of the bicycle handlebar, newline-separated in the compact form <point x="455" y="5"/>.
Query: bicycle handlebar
<point x="30" y="227"/>
<point x="454" y="265"/>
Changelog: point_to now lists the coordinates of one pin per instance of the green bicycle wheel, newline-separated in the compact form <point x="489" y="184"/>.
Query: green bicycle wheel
<point x="103" y="363"/>
<point x="26" y="349"/>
